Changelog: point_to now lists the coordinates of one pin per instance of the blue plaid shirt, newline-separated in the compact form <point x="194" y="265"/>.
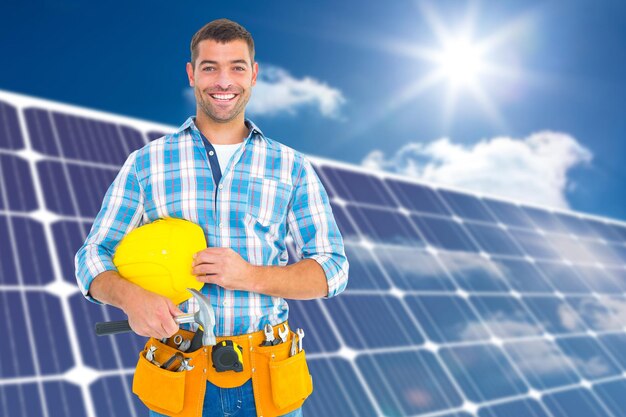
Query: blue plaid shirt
<point x="266" y="191"/>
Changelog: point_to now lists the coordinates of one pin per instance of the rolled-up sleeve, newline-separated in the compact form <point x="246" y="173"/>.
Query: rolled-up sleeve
<point x="314" y="229"/>
<point x="122" y="211"/>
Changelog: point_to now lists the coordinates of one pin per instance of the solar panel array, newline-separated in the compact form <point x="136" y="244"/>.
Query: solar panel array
<point x="457" y="306"/>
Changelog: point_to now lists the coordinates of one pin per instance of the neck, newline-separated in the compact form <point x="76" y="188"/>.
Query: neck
<point x="234" y="131"/>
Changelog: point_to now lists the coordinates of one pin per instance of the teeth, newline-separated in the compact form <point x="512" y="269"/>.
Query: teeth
<point x="223" y="96"/>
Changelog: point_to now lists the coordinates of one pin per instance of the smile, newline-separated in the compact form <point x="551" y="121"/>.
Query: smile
<point x="223" y="97"/>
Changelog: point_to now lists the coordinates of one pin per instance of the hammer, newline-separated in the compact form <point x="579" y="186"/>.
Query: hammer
<point x="205" y="317"/>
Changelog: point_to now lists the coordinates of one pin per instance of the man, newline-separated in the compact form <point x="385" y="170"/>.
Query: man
<point x="244" y="189"/>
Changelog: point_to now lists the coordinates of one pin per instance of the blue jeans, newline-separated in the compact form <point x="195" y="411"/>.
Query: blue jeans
<point x="227" y="402"/>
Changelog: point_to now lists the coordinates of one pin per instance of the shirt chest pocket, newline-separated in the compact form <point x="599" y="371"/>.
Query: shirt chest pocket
<point x="268" y="200"/>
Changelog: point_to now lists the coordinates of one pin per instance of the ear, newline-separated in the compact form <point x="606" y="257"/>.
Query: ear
<point x="189" y="69"/>
<point x="255" y="72"/>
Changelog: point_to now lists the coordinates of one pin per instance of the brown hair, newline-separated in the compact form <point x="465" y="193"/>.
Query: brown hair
<point x="221" y="31"/>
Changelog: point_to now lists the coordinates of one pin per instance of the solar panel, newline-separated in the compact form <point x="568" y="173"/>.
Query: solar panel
<point x="458" y="305"/>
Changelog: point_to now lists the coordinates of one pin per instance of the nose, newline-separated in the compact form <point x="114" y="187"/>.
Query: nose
<point x="223" y="80"/>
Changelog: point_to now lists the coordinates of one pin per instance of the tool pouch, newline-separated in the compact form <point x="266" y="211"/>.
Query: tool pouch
<point x="176" y="394"/>
<point x="280" y="382"/>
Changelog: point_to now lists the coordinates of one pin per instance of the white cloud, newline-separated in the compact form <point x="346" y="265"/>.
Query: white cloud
<point x="608" y="313"/>
<point x="594" y="366"/>
<point x="568" y="318"/>
<point x="540" y="358"/>
<point x="277" y="92"/>
<point x="472" y="330"/>
<point x="544" y="359"/>
<point x="510" y="325"/>
<point x="533" y="169"/>
<point x="465" y="266"/>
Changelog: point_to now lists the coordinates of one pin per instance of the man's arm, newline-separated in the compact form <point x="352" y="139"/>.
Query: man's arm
<point x="121" y="212"/>
<point x="110" y="288"/>
<point x="322" y="273"/>
<point x="303" y="280"/>
<point x="148" y="314"/>
<point x="317" y="239"/>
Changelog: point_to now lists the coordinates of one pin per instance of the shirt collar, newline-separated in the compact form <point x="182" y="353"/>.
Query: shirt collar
<point x="191" y="123"/>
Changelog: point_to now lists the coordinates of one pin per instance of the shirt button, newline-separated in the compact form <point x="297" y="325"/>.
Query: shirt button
<point x="221" y="186"/>
<point x="226" y="303"/>
<point x="211" y="153"/>
<point x="221" y="224"/>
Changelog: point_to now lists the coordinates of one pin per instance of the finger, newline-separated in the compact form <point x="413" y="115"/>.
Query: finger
<point x="205" y="261"/>
<point x="174" y="310"/>
<point x="199" y="253"/>
<point x="199" y="256"/>
<point x="156" y="332"/>
<point x="201" y="264"/>
<point x="208" y="279"/>
<point x="208" y="255"/>
<point x="161" y="319"/>
<point x="204" y="269"/>
<point x="163" y="332"/>
<point x="195" y="257"/>
<point x="170" y="327"/>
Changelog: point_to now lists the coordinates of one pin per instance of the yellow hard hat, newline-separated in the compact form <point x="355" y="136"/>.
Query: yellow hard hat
<point x="158" y="257"/>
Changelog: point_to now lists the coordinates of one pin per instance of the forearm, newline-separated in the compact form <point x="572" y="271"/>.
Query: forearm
<point x="149" y="314"/>
<point x="303" y="280"/>
<point x="110" y="288"/>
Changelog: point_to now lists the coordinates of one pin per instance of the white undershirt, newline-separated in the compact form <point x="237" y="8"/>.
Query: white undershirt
<point x="224" y="153"/>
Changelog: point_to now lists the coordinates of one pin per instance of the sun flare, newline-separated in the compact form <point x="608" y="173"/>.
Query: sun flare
<point x="461" y="61"/>
<point x="468" y="67"/>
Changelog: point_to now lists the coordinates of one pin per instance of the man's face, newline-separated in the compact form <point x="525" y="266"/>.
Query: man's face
<point x="222" y="78"/>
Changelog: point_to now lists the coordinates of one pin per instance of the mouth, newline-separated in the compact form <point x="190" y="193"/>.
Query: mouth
<point x="223" y="98"/>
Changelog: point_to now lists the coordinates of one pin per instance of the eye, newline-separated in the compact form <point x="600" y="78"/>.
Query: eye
<point x="240" y="68"/>
<point x="208" y="69"/>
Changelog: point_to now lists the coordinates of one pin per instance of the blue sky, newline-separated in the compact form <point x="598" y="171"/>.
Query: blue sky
<point x="338" y="80"/>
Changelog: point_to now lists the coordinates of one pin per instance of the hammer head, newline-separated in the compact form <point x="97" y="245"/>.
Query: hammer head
<point x="205" y="317"/>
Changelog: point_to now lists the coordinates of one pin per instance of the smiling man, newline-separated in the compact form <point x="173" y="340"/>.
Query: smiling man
<point x="223" y="82"/>
<point x="247" y="192"/>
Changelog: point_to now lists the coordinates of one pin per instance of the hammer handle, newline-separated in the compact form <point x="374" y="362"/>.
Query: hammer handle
<point x="115" y="327"/>
<point x="112" y="327"/>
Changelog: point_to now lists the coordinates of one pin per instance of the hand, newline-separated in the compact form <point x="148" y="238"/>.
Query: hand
<point x="151" y="314"/>
<point x="224" y="267"/>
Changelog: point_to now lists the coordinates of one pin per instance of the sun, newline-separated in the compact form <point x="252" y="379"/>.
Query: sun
<point x="461" y="61"/>
<point x="473" y="66"/>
